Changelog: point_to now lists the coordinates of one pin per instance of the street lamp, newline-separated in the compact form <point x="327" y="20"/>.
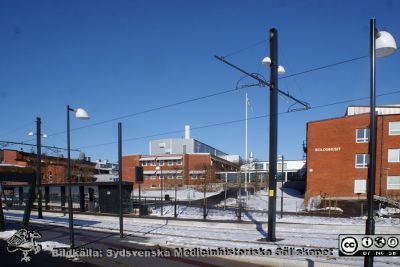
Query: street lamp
<point x="275" y="69"/>
<point x="267" y="61"/>
<point x="158" y="168"/>
<point x="80" y="114"/>
<point x="39" y="136"/>
<point x="382" y="44"/>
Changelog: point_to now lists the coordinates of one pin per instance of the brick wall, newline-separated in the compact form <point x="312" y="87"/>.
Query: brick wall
<point x="331" y="152"/>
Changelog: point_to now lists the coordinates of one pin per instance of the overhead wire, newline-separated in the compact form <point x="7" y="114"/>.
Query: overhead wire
<point x="199" y="98"/>
<point x="237" y="121"/>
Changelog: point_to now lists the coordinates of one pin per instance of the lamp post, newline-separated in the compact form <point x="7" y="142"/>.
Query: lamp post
<point x="121" y="218"/>
<point x="283" y="179"/>
<point x="39" y="136"/>
<point x="82" y="115"/>
<point x="273" y="130"/>
<point x="381" y="44"/>
<point x="158" y="168"/>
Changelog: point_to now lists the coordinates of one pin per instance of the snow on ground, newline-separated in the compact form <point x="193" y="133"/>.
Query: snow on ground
<point x="388" y="211"/>
<point x="7" y="234"/>
<point x="302" y="232"/>
<point x="293" y="201"/>
<point x="187" y="212"/>
<point x="182" y="194"/>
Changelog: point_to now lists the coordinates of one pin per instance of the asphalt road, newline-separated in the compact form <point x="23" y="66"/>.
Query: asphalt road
<point x="102" y="241"/>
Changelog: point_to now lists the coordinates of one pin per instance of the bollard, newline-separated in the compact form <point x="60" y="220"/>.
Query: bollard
<point x="362" y="211"/>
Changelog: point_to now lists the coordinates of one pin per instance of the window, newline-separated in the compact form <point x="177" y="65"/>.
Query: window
<point x="178" y="162"/>
<point x="394" y="128"/>
<point x="170" y="162"/>
<point x="393" y="182"/>
<point x="362" y="135"/>
<point x="393" y="155"/>
<point x="161" y="163"/>
<point x="161" y="145"/>
<point x="179" y="176"/>
<point x="154" y="186"/>
<point x="360" y="186"/>
<point x="144" y="163"/>
<point x="153" y="163"/>
<point x="195" y="176"/>
<point x="153" y="177"/>
<point x="362" y="160"/>
<point x="161" y="176"/>
<point x="259" y="166"/>
<point x="170" y="176"/>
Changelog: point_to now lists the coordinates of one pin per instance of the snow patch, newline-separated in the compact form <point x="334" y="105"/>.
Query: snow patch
<point x="7" y="234"/>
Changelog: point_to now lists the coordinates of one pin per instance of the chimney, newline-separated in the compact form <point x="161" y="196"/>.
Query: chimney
<point x="187" y="132"/>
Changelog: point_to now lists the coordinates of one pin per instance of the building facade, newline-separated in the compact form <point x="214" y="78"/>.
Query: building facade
<point x="54" y="169"/>
<point x="337" y="154"/>
<point x="175" y="169"/>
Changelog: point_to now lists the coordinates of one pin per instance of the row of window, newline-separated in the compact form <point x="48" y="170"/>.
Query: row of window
<point x="362" y="160"/>
<point x="392" y="183"/>
<point x="161" y="162"/>
<point x="168" y="176"/>
<point x="362" y="135"/>
<point x="171" y="176"/>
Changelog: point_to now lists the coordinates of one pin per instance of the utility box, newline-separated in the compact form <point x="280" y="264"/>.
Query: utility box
<point x="109" y="197"/>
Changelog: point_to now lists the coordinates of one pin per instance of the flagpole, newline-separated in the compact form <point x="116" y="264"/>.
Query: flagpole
<point x="245" y="171"/>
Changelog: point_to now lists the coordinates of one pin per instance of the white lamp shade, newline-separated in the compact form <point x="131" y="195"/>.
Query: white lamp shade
<point x="281" y="70"/>
<point x="30" y="133"/>
<point x="385" y="44"/>
<point x="44" y="135"/>
<point x="81" y="114"/>
<point x="158" y="168"/>
<point x="266" y="61"/>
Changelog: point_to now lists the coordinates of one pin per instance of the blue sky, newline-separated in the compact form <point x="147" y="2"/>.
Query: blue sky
<point x="115" y="58"/>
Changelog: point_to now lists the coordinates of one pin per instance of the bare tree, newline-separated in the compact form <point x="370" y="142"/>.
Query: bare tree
<point x="207" y="176"/>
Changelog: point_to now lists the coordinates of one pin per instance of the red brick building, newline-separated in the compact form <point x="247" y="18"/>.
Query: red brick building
<point x="182" y="169"/>
<point x="337" y="154"/>
<point x="54" y="169"/>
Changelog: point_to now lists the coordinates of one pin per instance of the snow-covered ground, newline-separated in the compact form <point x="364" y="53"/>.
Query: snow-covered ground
<point x="219" y="214"/>
<point x="293" y="201"/>
<point x="291" y="230"/>
<point x="301" y="232"/>
<point x="186" y="194"/>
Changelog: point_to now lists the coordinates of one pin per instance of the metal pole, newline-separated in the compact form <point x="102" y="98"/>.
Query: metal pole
<point x="204" y="201"/>
<point x="175" y="214"/>
<point x="240" y="197"/>
<point x="273" y="134"/>
<point x="162" y="187"/>
<point x="370" y="223"/>
<point x="283" y="180"/>
<point x="246" y="157"/>
<point x="39" y="165"/>
<point x="226" y="187"/>
<point x="381" y="158"/>
<point x="121" y="218"/>
<point x="140" y="198"/>
<point x="70" y="212"/>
